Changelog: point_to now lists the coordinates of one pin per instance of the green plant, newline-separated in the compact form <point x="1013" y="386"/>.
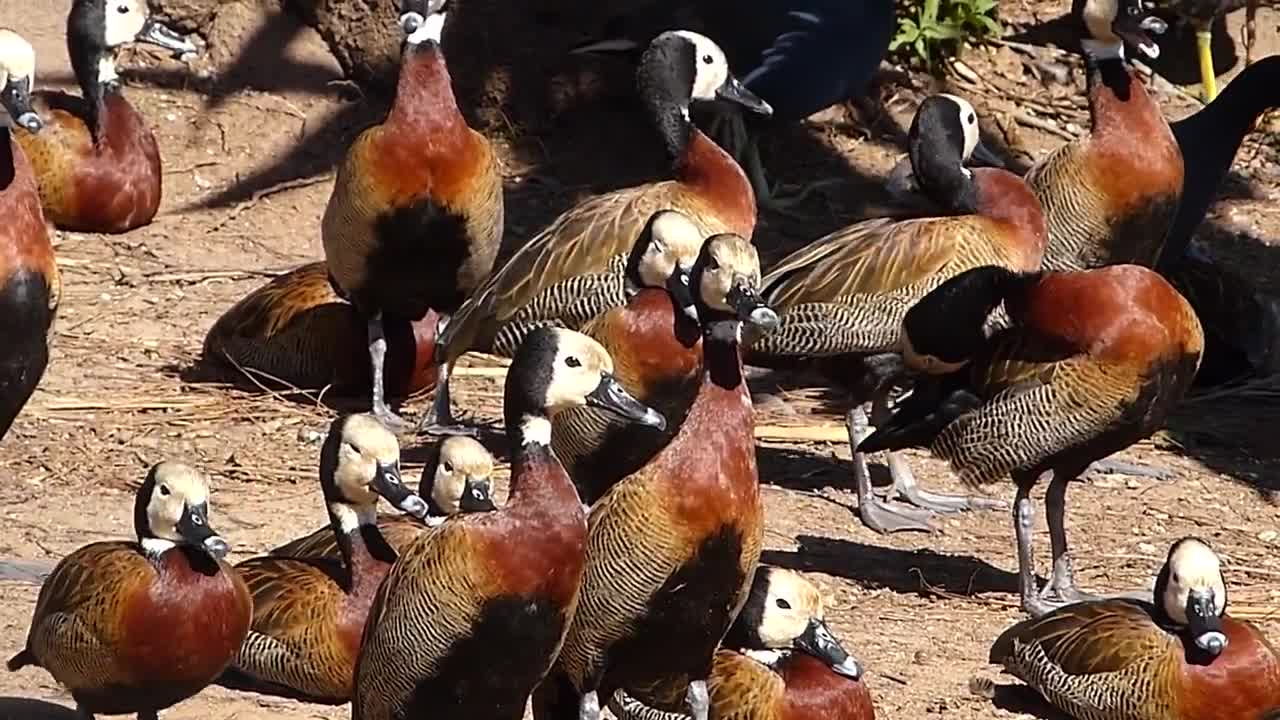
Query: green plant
<point x="929" y="30"/>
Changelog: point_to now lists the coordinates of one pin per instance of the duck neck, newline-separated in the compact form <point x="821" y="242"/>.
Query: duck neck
<point x="424" y="94"/>
<point x="95" y="70"/>
<point x="721" y="358"/>
<point x="1111" y="84"/>
<point x="671" y="118"/>
<point x="537" y="477"/>
<point x="1006" y="198"/>
<point x="361" y="544"/>
<point x="8" y="160"/>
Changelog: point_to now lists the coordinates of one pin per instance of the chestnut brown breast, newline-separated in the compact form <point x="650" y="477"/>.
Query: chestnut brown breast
<point x="1242" y="682"/>
<point x="719" y="183"/>
<point x="815" y="692"/>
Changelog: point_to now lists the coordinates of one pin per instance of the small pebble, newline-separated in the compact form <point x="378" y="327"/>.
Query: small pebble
<point x="1268" y="535"/>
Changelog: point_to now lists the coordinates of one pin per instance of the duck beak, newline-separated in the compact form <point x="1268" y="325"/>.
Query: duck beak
<point x="610" y="395"/>
<point x="194" y="528"/>
<point x="387" y="483"/>
<point x="605" y="46"/>
<point x="1204" y="622"/>
<point x="751" y="308"/>
<point x="732" y="90"/>
<point x="157" y="33"/>
<point x="1136" y="28"/>
<point x="678" y="286"/>
<point x="985" y="156"/>
<point x="818" y="641"/>
<point x="475" y="496"/>
<point x="16" y="98"/>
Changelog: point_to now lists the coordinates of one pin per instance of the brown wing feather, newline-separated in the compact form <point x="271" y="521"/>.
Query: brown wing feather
<point x="743" y="689"/>
<point x="398" y="530"/>
<point x="1088" y="638"/>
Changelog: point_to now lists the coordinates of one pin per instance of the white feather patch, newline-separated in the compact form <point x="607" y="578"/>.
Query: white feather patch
<point x="156" y="547"/>
<point x="107" y="70"/>
<point x="431" y="30"/>
<point x="536" y="431"/>
<point x="351" y="517"/>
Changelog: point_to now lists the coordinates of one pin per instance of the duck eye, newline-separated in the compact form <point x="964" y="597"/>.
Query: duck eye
<point x="164" y="489"/>
<point x="783" y="604"/>
<point x="572" y="362"/>
<point x="707" y="59"/>
<point x="122" y="9"/>
<point x="448" y="467"/>
<point x="197" y="520"/>
<point x="971" y="119"/>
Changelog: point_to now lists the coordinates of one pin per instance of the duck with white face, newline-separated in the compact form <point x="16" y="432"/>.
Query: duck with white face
<point x="17" y="80"/>
<point x="461" y="481"/>
<point x="1193" y="594"/>
<point x="173" y="510"/>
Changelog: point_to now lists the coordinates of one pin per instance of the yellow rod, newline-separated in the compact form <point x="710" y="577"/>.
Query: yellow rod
<point x="1204" y="47"/>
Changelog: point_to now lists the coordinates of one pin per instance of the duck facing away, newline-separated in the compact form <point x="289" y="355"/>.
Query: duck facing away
<point x="471" y="617"/>
<point x="1110" y="197"/>
<point x="671" y="548"/>
<point x="309" y="612"/>
<point x="678" y="69"/>
<point x="415" y="218"/>
<point x="457" y="481"/>
<point x="779" y="661"/>
<point x="1179" y="657"/>
<point x="1092" y="362"/>
<point x="30" y="285"/>
<point x="297" y="330"/>
<point x="135" y="627"/>
<point x="842" y="298"/>
<point x="96" y="159"/>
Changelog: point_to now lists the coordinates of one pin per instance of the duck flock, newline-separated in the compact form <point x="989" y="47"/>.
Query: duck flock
<point x="1020" y="333"/>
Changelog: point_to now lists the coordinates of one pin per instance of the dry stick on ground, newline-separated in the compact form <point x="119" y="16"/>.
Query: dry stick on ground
<point x="258" y="195"/>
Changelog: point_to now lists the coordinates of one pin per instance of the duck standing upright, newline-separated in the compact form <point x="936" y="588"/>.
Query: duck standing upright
<point x="1179" y="657"/>
<point x="842" y="298"/>
<point x="671" y="549"/>
<point x="472" y="615"/>
<point x="96" y="160"/>
<point x="134" y="627"/>
<point x="415" y="218"/>
<point x="1110" y="197"/>
<point x="678" y="69"/>
<point x="1092" y="362"/>
<point x="30" y="285"/>
<point x="309" y="612"/>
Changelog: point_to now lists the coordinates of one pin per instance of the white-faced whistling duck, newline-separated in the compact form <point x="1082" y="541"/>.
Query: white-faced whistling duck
<point x="671" y="549"/>
<point x="1110" y="196"/>
<point x="470" y="618"/>
<point x="96" y="160"/>
<point x="594" y="237"/>
<point x="309" y="613"/>
<point x="779" y="661"/>
<point x="415" y="218"/>
<point x="843" y="297"/>
<point x="135" y="627"/>
<point x="456" y="480"/>
<point x="29" y="281"/>
<point x="1179" y="657"/>
<point x="298" y="331"/>
<point x="654" y="341"/>
<point x="1093" y="361"/>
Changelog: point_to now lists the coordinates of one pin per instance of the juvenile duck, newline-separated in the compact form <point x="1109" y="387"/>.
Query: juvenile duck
<point x="779" y="661"/>
<point x="309" y="612"/>
<point x="135" y="627"/>
<point x="472" y="615"/>
<point x="30" y="285"/>
<point x="1179" y="657"/>
<point x="96" y="160"/>
<point x="679" y="68"/>
<point x="456" y="481"/>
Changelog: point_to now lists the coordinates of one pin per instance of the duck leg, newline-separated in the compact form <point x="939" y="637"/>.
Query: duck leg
<point x="1120" y="467"/>
<point x="439" y="419"/>
<point x="699" y="700"/>
<point x="377" y="359"/>
<point x="879" y="515"/>
<point x="1023" y="526"/>
<point x="729" y="128"/>
<point x="1061" y="588"/>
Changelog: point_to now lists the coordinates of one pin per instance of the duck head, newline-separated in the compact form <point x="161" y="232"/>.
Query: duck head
<point x="462" y="479"/>
<point x="17" y="79"/>
<point x="359" y="462"/>
<point x="1193" y="594"/>
<point x="555" y="369"/>
<point x="97" y="28"/>
<point x="172" y="508"/>
<point x="943" y="139"/>
<point x="664" y="256"/>
<point x="784" y="613"/>
<point x="727" y="278"/>
<point x="422" y="21"/>
<point x="1109" y="23"/>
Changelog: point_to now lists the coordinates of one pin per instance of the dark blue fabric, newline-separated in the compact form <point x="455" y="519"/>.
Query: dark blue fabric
<point x="804" y="55"/>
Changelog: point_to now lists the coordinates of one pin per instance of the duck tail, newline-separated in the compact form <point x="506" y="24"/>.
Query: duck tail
<point x="21" y="660"/>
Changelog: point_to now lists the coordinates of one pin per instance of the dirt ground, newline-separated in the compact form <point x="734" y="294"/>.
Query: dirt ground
<point x="246" y="178"/>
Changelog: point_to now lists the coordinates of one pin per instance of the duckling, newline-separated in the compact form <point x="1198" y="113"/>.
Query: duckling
<point x="779" y="661"/>
<point x="1110" y="197"/>
<point x="459" y="483"/>
<point x="297" y="330"/>
<point x="309" y="612"/>
<point x="593" y="238"/>
<point x="470" y="618"/>
<point x="96" y="160"/>
<point x="135" y="627"/>
<point x="30" y="285"/>
<point x="415" y="218"/>
<point x="1092" y="362"/>
<point x="1179" y="657"/>
<point x="671" y="548"/>
<point x="843" y="297"/>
